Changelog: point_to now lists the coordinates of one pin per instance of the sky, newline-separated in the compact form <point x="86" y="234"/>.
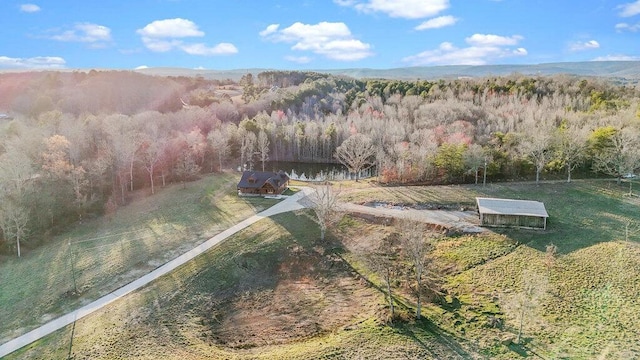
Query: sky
<point x="313" y="34"/>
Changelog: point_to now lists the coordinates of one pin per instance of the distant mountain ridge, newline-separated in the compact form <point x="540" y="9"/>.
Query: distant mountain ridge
<point x="621" y="70"/>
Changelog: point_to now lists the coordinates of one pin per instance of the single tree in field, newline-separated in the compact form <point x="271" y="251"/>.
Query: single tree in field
<point x="356" y="153"/>
<point x="323" y="201"/>
<point x="219" y="141"/>
<point x="263" y="147"/>
<point x="13" y="221"/>
<point x="526" y="303"/>
<point x="416" y="248"/>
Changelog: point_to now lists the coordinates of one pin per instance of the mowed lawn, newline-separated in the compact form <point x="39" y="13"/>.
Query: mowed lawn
<point x="106" y="253"/>
<point x="266" y="292"/>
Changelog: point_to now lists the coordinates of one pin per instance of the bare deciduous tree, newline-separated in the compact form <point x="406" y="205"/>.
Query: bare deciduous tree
<point x="247" y="148"/>
<point x="525" y="303"/>
<point x="13" y="221"/>
<point x="537" y="147"/>
<point x="16" y="169"/>
<point x="323" y="201"/>
<point x="571" y="143"/>
<point x="621" y="154"/>
<point x="263" y="147"/>
<point x="382" y="263"/>
<point x="219" y="141"/>
<point x="356" y="153"/>
<point x="151" y="151"/>
<point x="550" y="256"/>
<point x="416" y="248"/>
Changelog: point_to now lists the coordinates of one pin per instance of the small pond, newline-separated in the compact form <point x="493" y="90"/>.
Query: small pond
<point x="315" y="171"/>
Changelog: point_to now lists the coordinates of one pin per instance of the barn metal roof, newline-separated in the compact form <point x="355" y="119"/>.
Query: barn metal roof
<point x="511" y="207"/>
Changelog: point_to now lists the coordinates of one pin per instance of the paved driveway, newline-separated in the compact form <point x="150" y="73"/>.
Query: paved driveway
<point x="290" y="204"/>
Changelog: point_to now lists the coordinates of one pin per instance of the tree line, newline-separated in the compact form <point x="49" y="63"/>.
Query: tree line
<point x="79" y="144"/>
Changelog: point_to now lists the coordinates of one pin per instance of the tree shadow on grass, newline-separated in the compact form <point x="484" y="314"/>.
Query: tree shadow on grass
<point x="427" y="330"/>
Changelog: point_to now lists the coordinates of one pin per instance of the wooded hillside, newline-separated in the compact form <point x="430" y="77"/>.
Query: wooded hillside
<point x="79" y="144"/>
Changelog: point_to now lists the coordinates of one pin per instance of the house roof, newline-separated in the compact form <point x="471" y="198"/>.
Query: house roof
<point x="511" y="207"/>
<point x="257" y="179"/>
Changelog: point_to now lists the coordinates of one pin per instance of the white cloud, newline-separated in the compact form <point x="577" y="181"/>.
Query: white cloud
<point x="588" y="45"/>
<point x="630" y="9"/>
<point x="482" y="50"/>
<point x="617" y="58"/>
<point x="97" y="35"/>
<point x="39" y="62"/>
<point x="437" y="23"/>
<point x="202" y="49"/>
<point x="627" y="27"/>
<point x="29" y="8"/>
<point x="408" y="9"/>
<point x="171" y="28"/>
<point x="141" y="67"/>
<point x="299" y="59"/>
<point x="269" y="30"/>
<point x="492" y="40"/>
<point x="331" y="40"/>
<point x="166" y="35"/>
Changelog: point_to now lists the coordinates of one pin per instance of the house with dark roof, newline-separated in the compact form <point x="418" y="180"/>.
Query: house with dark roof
<point x="263" y="183"/>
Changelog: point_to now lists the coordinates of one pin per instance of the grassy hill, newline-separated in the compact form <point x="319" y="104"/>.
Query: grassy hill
<point x="274" y="291"/>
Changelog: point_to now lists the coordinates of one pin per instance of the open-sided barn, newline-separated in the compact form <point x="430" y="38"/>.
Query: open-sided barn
<point x="512" y="213"/>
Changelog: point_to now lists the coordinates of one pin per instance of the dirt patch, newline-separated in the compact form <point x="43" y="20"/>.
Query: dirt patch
<point x="314" y="294"/>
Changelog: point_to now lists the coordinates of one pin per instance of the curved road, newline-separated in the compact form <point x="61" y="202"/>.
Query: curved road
<point x="289" y="204"/>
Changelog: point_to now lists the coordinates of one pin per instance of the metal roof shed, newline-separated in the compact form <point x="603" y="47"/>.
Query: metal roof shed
<point x="512" y="213"/>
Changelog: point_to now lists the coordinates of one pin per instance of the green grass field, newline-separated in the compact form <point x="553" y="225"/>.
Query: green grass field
<point x="111" y="251"/>
<point x="273" y="291"/>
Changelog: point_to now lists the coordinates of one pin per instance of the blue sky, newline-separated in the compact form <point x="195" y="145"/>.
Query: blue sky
<point x="313" y="34"/>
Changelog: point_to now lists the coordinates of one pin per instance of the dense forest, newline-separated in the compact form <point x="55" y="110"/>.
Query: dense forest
<point x="78" y="144"/>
